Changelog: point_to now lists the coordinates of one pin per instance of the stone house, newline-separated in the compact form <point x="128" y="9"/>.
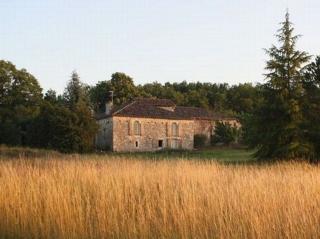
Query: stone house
<point x="153" y="124"/>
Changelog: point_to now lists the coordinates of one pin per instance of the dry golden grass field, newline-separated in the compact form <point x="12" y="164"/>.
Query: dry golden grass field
<point x="126" y="197"/>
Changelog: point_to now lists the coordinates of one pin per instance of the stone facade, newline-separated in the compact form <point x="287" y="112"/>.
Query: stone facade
<point x="154" y="124"/>
<point x="154" y="134"/>
<point x="204" y="127"/>
<point x="119" y="133"/>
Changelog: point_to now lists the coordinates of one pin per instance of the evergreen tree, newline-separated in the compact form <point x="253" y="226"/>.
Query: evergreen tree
<point x="311" y="106"/>
<point x="277" y="123"/>
<point x="75" y="91"/>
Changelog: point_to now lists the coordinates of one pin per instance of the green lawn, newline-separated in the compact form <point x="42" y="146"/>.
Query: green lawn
<point x="225" y="155"/>
<point x="220" y="154"/>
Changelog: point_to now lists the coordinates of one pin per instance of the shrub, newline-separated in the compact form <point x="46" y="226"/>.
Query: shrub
<point x="224" y="133"/>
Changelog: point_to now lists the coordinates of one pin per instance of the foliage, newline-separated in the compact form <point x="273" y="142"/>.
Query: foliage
<point x="59" y="128"/>
<point x="121" y="84"/>
<point x="51" y="96"/>
<point x="65" y="124"/>
<point x="20" y="97"/>
<point x="217" y="97"/>
<point x="277" y="121"/>
<point x="10" y="132"/>
<point x="100" y="94"/>
<point x="54" y="128"/>
<point x="279" y="118"/>
<point x="87" y="127"/>
<point x="199" y="140"/>
<point x="249" y="130"/>
<point x="244" y="98"/>
<point x="311" y="106"/>
<point x="76" y="92"/>
<point x="224" y="133"/>
<point x="123" y="87"/>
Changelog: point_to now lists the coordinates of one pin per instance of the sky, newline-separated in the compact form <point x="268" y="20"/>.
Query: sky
<point x="213" y="41"/>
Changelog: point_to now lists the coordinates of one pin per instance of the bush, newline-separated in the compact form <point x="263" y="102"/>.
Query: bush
<point x="224" y="133"/>
<point x="200" y="140"/>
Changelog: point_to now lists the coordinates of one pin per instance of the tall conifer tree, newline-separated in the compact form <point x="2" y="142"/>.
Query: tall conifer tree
<point x="311" y="106"/>
<point x="75" y="91"/>
<point x="277" y="122"/>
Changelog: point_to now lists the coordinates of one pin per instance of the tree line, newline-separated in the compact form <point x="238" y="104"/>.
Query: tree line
<point x="218" y="97"/>
<point x="31" y="117"/>
<point x="279" y="117"/>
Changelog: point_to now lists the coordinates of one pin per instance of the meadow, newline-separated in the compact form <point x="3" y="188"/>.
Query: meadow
<point x="133" y="196"/>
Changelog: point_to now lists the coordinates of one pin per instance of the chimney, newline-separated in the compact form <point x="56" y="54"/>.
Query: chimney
<point x="109" y="104"/>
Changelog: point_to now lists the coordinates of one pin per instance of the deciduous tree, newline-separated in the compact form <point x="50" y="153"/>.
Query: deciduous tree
<point x="20" y="98"/>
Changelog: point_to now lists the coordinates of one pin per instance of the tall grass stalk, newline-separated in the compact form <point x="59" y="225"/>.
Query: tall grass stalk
<point x="130" y="198"/>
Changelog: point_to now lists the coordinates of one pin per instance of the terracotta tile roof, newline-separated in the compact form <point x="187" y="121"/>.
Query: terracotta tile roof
<point x="160" y="109"/>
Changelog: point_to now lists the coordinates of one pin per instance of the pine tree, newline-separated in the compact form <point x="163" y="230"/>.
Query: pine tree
<point x="75" y="91"/>
<point x="277" y="123"/>
<point x="311" y="106"/>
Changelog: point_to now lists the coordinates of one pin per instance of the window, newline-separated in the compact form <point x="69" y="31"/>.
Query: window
<point x="175" y="130"/>
<point x="160" y="143"/>
<point x="137" y="128"/>
<point x="137" y="144"/>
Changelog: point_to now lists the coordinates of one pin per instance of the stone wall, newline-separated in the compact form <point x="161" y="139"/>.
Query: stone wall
<point x="204" y="127"/>
<point x="117" y="133"/>
<point x="156" y="134"/>
<point x="104" y="135"/>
